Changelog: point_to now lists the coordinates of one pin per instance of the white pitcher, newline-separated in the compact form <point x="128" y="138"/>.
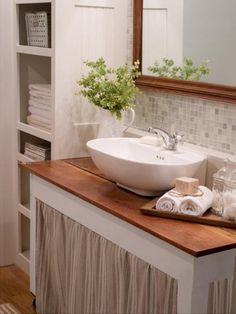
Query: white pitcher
<point x="110" y="126"/>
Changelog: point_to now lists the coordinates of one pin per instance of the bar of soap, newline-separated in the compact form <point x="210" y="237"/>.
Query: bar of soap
<point x="186" y="186"/>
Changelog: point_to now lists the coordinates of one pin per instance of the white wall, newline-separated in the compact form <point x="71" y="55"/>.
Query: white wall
<point x="209" y="33"/>
<point x="86" y="31"/>
<point x="7" y="131"/>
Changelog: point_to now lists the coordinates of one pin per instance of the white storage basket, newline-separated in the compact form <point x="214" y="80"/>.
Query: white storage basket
<point x="37" y="29"/>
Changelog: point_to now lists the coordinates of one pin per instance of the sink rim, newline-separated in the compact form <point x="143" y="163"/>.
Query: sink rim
<point x="182" y="162"/>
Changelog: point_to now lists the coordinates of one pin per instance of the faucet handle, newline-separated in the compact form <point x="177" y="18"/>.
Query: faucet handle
<point x="155" y="130"/>
<point x="178" y="137"/>
<point x="150" y="130"/>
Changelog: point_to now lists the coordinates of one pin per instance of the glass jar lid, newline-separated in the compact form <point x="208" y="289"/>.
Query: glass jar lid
<point x="223" y="173"/>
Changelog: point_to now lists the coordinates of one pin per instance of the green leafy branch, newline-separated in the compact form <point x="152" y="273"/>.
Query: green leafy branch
<point x="110" y="88"/>
<point x="187" y="72"/>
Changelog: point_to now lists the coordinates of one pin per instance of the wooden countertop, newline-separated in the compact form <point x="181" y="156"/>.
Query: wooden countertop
<point x="193" y="238"/>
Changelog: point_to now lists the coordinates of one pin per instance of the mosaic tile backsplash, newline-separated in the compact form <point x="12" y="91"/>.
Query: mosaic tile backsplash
<point x="205" y="123"/>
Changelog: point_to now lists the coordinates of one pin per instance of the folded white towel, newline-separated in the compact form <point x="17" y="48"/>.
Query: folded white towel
<point x="41" y="119"/>
<point x="40" y="95"/>
<point x="168" y="203"/>
<point x="40" y="103"/>
<point x="40" y="112"/>
<point x="197" y="205"/>
<point x="45" y="88"/>
<point x="38" y="124"/>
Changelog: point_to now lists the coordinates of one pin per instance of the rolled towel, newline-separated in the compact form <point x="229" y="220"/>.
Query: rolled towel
<point x="196" y="205"/>
<point x="230" y="212"/>
<point x="168" y="203"/>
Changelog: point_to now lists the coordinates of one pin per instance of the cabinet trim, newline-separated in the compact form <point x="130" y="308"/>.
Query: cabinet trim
<point x="31" y="1"/>
<point x="107" y="4"/>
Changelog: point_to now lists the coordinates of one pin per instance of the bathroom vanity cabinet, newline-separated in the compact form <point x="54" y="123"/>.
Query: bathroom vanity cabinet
<point x="200" y="258"/>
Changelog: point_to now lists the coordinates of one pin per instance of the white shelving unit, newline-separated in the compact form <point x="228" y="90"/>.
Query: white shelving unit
<point x="75" y="40"/>
<point x="34" y="65"/>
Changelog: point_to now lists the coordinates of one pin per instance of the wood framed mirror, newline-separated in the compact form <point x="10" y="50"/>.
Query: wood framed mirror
<point x="208" y="90"/>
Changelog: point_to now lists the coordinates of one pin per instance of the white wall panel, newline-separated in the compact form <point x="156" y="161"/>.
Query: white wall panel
<point x="7" y="131"/>
<point x="82" y="33"/>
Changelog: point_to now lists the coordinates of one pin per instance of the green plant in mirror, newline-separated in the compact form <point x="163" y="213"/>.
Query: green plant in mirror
<point x="110" y="88"/>
<point x="188" y="71"/>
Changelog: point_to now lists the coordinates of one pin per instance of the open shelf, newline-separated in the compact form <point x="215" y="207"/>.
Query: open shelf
<point x="34" y="131"/>
<point x="25" y="232"/>
<point x="28" y="138"/>
<point x="24" y="187"/>
<point x="31" y="7"/>
<point x="26" y="254"/>
<point x="24" y="241"/>
<point x="23" y="261"/>
<point x="33" y="69"/>
<point x="23" y="257"/>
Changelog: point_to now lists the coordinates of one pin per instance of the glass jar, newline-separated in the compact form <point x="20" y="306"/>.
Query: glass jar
<point x="230" y="189"/>
<point x="218" y="188"/>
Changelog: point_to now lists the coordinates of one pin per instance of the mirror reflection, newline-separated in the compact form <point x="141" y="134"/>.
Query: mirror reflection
<point x="190" y="36"/>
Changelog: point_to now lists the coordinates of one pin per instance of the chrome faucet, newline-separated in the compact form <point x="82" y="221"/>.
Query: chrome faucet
<point x="170" y="140"/>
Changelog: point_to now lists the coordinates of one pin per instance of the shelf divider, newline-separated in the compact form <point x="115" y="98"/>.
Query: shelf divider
<point x="32" y="50"/>
<point x="24" y="210"/>
<point x="22" y="158"/>
<point x="47" y="136"/>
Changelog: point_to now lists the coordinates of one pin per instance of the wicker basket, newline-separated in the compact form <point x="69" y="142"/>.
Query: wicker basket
<point x="37" y="29"/>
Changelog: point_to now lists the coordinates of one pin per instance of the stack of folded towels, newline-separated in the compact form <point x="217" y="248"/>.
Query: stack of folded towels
<point x="196" y="204"/>
<point x="40" y="111"/>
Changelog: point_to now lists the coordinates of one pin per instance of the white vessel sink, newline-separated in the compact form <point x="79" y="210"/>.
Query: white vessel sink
<point x="144" y="169"/>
